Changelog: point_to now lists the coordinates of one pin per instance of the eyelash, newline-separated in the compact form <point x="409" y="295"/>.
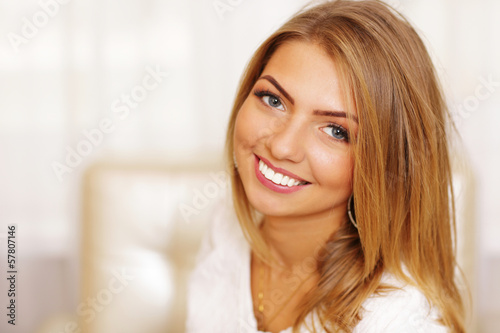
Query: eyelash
<point x="343" y="131"/>
<point x="268" y="93"/>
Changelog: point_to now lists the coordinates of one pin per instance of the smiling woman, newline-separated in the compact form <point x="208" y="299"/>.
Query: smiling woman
<point x="338" y="112"/>
<point x="309" y="148"/>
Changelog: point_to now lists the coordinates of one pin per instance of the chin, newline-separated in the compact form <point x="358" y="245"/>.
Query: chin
<point x="271" y="207"/>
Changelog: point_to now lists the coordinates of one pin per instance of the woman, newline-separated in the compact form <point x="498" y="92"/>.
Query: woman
<point x="337" y="148"/>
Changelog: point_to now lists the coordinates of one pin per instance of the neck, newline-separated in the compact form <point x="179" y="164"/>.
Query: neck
<point x="294" y="241"/>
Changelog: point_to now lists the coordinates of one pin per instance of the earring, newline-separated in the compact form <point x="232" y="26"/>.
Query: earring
<point x="234" y="161"/>
<point x="350" y="212"/>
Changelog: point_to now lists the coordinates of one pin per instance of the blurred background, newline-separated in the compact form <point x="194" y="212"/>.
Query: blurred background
<point x="112" y="123"/>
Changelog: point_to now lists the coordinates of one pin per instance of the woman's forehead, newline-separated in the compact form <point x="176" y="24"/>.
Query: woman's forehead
<point x="308" y="74"/>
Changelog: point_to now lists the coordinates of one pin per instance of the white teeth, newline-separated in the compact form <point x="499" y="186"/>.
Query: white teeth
<point x="276" y="177"/>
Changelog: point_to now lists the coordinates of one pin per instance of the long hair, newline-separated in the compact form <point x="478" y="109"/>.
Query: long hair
<point x="402" y="181"/>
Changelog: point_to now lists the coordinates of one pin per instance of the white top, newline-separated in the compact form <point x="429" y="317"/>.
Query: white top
<point x="220" y="298"/>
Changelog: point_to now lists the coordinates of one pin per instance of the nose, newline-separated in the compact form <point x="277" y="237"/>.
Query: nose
<point x="287" y="139"/>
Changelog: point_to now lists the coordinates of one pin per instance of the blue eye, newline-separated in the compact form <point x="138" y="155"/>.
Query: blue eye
<point x="270" y="99"/>
<point x="336" y="132"/>
<point x="273" y="102"/>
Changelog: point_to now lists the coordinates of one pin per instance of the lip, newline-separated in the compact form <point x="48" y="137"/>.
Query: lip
<point x="275" y="187"/>
<point x="280" y="170"/>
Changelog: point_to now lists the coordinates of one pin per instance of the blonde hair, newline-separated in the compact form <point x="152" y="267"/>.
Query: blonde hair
<point x="402" y="182"/>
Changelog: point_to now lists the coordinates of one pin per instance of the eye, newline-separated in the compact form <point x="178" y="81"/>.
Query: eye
<point x="336" y="132"/>
<point x="270" y="99"/>
<point x="273" y="101"/>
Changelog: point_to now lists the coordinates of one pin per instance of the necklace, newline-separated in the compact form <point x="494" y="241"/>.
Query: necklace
<point x="261" y="320"/>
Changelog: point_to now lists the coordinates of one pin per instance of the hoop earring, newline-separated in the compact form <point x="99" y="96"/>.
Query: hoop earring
<point x="350" y="213"/>
<point x="234" y="161"/>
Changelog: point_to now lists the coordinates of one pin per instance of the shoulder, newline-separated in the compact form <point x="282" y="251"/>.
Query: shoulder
<point x="404" y="309"/>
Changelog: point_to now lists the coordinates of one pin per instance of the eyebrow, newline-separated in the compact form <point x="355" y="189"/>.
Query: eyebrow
<point x="278" y="86"/>
<point x="337" y="114"/>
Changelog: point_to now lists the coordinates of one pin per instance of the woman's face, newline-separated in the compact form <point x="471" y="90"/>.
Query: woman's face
<point x="291" y="138"/>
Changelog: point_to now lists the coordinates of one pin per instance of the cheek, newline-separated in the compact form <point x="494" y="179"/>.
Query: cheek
<point x="246" y="128"/>
<point x="334" y="168"/>
<point x="241" y="131"/>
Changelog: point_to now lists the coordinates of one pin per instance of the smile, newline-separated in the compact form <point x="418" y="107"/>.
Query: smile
<point x="277" y="179"/>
